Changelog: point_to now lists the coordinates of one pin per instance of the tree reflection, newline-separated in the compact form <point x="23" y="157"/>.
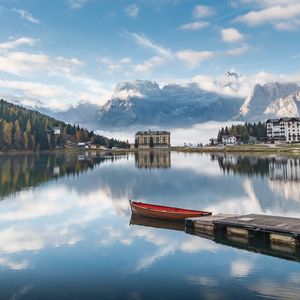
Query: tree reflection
<point x="276" y="168"/>
<point x="21" y="171"/>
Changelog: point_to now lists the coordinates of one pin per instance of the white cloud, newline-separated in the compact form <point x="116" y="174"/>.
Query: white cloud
<point x="190" y="57"/>
<point x="149" y="64"/>
<point x="241" y="268"/>
<point x="115" y="65"/>
<point x="201" y="11"/>
<point x="243" y="85"/>
<point x="284" y="13"/>
<point x="22" y="63"/>
<point x="35" y="89"/>
<point x="198" y="25"/>
<point x="76" y="4"/>
<point x="13" y="265"/>
<point x="132" y="10"/>
<point x="12" y="44"/>
<point x="231" y="35"/>
<point x="125" y="94"/>
<point x="28" y="64"/>
<point x="237" y="51"/>
<point x="193" y="58"/>
<point x="145" y="42"/>
<point x="26" y="15"/>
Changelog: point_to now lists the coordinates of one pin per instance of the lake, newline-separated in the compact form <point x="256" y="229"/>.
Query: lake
<point x="65" y="228"/>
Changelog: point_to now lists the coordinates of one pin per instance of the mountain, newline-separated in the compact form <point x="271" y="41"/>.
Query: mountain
<point x="83" y="113"/>
<point x="145" y="103"/>
<point x="284" y="107"/>
<point x="265" y="101"/>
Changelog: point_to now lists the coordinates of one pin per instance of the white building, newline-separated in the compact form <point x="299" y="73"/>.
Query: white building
<point x="56" y="130"/>
<point x="229" y="139"/>
<point x="284" y="129"/>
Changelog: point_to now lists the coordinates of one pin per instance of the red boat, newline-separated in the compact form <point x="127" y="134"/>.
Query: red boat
<point x="164" y="212"/>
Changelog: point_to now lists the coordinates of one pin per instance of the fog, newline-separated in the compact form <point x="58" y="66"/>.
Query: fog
<point x="198" y="133"/>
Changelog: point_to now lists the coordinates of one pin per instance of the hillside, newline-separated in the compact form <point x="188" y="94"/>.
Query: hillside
<point x="24" y="129"/>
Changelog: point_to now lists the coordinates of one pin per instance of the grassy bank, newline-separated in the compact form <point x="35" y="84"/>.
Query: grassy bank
<point x="287" y="149"/>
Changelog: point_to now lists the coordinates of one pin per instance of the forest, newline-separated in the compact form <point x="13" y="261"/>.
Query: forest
<point x="24" y="129"/>
<point x="244" y="131"/>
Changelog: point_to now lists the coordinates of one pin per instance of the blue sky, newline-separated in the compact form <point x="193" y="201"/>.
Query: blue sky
<point x="63" y="51"/>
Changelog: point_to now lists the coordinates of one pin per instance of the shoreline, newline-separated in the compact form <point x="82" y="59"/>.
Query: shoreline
<point x="283" y="149"/>
<point x="293" y="149"/>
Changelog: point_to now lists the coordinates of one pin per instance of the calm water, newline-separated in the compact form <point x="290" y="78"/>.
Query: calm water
<point x="65" y="233"/>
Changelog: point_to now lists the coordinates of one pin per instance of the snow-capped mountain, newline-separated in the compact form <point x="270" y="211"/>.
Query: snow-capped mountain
<point x="262" y="101"/>
<point x="284" y="107"/>
<point x="145" y="103"/>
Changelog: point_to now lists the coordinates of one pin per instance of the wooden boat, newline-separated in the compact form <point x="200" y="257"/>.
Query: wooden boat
<point x="164" y="212"/>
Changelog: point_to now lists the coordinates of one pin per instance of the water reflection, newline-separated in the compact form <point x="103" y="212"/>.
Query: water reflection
<point x="149" y="159"/>
<point x="20" y="171"/>
<point x="257" y="245"/>
<point x="72" y="234"/>
<point x="276" y="168"/>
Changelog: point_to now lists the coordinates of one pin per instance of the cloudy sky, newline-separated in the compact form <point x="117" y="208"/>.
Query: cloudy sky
<point x="63" y="51"/>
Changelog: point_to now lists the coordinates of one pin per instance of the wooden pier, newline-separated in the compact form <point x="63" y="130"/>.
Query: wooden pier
<point x="273" y="229"/>
<point x="269" y="235"/>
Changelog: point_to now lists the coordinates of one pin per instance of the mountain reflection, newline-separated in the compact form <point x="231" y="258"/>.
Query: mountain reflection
<point x="20" y="171"/>
<point x="276" y="168"/>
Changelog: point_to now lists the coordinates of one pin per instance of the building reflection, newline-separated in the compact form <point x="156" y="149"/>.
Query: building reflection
<point x="149" y="159"/>
<point x="287" y="169"/>
<point x="276" y="168"/>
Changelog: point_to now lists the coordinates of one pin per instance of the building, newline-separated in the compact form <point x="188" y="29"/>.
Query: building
<point x="153" y="139"/>
<point x="56" y="130"/>
<point x="284" y="130"/>
<point x="229" y="139"/>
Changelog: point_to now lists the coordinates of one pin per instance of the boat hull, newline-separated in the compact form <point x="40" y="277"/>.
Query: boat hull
<point x="161" y="212"/>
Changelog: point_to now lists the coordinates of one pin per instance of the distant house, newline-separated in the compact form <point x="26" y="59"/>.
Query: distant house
<point x="153" y="139"/>
<point x="81" y="145"/>
<point x="229" y="139"/>
<point x="56" y="130"/>
<point x="283" y="129"/>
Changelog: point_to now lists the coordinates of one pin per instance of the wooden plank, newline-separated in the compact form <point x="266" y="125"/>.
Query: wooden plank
<point x="263" y="223"/>
<point x="209" y="220"/>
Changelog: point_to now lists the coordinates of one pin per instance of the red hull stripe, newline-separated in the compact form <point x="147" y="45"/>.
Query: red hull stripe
<point x="167" y="208"/>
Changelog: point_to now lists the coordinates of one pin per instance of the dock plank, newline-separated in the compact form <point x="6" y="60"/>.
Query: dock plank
<point x="266" y="223"/>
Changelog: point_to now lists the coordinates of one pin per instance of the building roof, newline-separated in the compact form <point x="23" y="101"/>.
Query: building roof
<point x="285" y="119"/>
<point x="272" y="121"/>
<point x="153" y="132"/>
<point x="228" y="136"/>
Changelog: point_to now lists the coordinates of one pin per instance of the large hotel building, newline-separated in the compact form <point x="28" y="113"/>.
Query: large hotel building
<point x="153" y="139"/>
<point x="284" y="129"/>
